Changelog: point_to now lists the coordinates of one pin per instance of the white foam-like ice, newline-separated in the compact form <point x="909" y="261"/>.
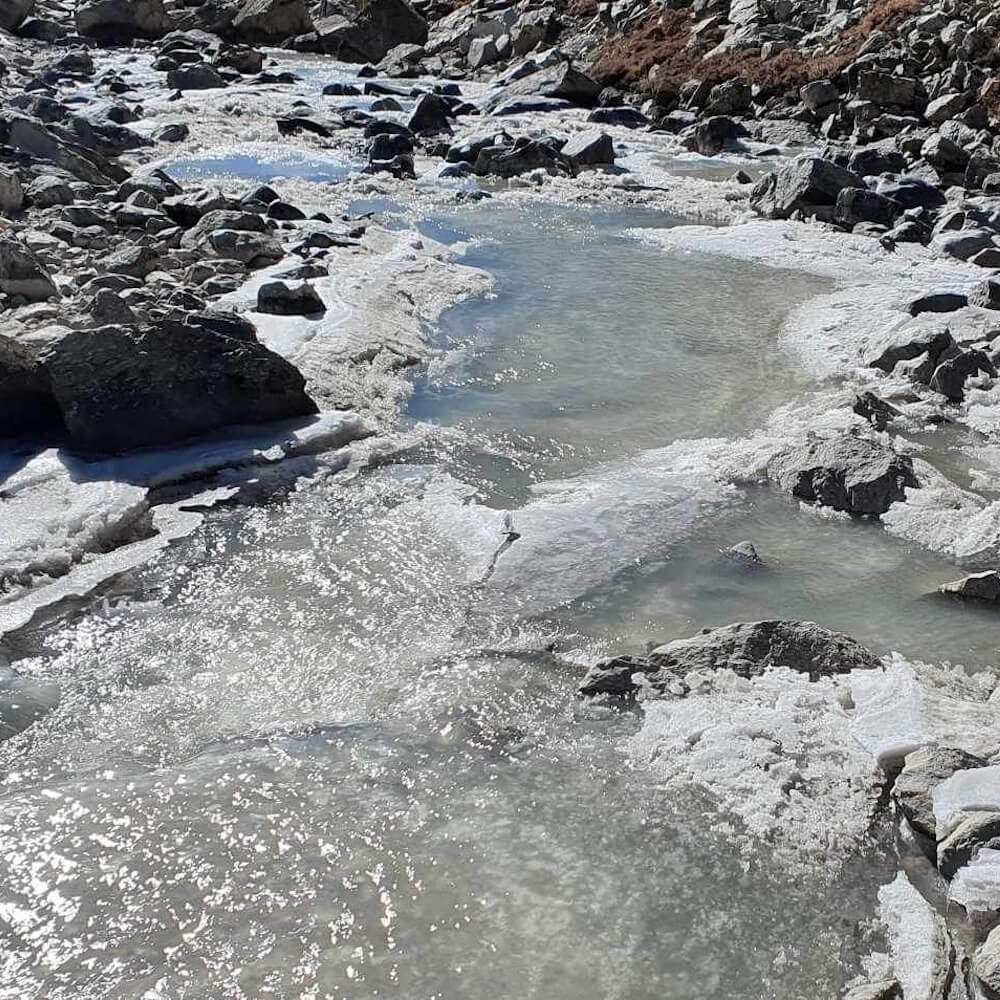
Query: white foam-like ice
<point x="779" y="756"/>
<point x="919" y="944"/>
<point x="907" y="705"/>
<point x="977" y="885"/>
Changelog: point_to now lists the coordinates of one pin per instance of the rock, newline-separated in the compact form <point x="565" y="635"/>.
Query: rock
<point x="523" y="157"/>
<point x="13" y="12"/>
<point x="938" y="302"/>
<point x="195" y="76"/>
<point x="859" y="205"/>
<point x="242" y="58"/>
<point x="282" y="299"/>
<point x="983" y="586"/>
<point x="271" y="20"/>
<point x="590" y="149"/>
<point x="889" y="90"/>
<point x="964" y="243"/>
<point x="923" y="770"/>
<point x="944" y="107"/>
<point x="883" y="989"/>
<point x="986" y="295"/>
<point x="26" y="404"/>
<point x="819" y="94"/>
<point x="886" y="350"/>
<point x="42" y="143"/>
<point x="943" y="154"/>
<point x="379" y="26"/>
<point x="282" y="211"/>
<point x="979" y="829"/>
<point x="911" y="192"/>
<point x="744" y="552"/>
<point x="430" y="116"/>
<point x="809" y="185"/>
<point x="747" y="648"/>
<point x="108" y="306"/>
<point x="876" y="411"/>
<point x="482" y="52"/>
<point x="619" y="115"/>
<point x="225" y="324"/>
<point x="47" y="191"/>
<point x="252" y="249"/>
<point x="959" y="365"/>
<point x="712" y="135"/>
<point x="11" y="192"/>
<point x="846" y="473"/>
<point x="561" y="82"/>
<point x="118" y="21"/>
<point x="986" y="961"/>
<point x="22" y="274"/>
<point x="119" y="389"/>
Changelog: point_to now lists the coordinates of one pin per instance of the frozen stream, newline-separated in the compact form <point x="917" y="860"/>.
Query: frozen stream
<point x="321" y="748"/>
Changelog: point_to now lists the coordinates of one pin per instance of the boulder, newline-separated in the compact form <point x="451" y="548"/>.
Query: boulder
<point x="279" y="298"/>
<point x="13" y="12"/>
<point x="119" y="389"/>
<point x="590" y="149"/>
<point x="618" y="115"/>
<point x="712" y="135"/>
<point x="859" y="205"/>
<point x="523" y="157"/>
<point x="271" y="20"/>
<point x="944" y="107"/>
<point x="559" y="82"/>
<point x="964" y="243"/>
<point x="42" y="143"/>
<point x="819" y="94"/>
<point x="21" y="273"/>
<point x="195" y="76"/>
<point x="809" y="185"/>
<point x="119" y="21"/>
<point x="26" y="404"/>
<point x="923" y="770"/>
<point x="430" y="116"/>
<point x="912" y="192"/>
<point x="379" y="25"/>
<point x="983" y="586"/>
<point x="889" y="90"/>
<point x="747" y="648"/>
<point x="943" y="154"/>
<point x="957" y="366"/>
<point x="847" y="473"/>
<point x="986" y="295"/>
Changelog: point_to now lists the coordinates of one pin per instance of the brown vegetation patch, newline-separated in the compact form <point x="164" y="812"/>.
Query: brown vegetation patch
<point x="665" y="42"/>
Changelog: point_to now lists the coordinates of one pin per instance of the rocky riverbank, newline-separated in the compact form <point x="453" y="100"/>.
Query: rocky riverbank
<point x="170" y="343"/>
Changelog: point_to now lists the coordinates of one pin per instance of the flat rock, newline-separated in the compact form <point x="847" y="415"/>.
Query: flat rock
<point x="975" y="587"/>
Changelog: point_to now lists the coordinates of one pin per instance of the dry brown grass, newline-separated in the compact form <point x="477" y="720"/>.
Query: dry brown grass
<point x="663" y="42"/>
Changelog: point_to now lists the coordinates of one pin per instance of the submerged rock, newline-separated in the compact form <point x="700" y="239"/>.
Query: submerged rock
<point x="847" y="473"/>
<point x="745" y="552"/>
<point x="747" y="648"/>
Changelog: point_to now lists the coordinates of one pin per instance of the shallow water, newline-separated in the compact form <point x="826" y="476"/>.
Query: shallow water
<point x="323" y="748"/>
<point x="260" y="168"/>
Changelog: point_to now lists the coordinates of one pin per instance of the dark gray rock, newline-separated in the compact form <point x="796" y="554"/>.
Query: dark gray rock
<point x="955" y="366"/>
<point x="271" y="20"/>
<point x="986" y="295"/>
<point x="195" y="76"/>
<point x="906" y="343"/>
<point x="119" y="389"/>
<point x="938" y="302"/>
<point x="923" y="770"/>
<point x="118" y="21"/>
<point x="912" y="192"/>
<point x="747" y="648"/>
<point x="859" y="205"/>
<point x="282" y="299"/>
<point x="561" y="82"/>
<point x="875" y="410"/>
<point x="622" y="115"/>
<point x="26" y="404"/>
<point x="523" y="157"/>
<point x="378" y="27"/>
<point x="590" y="149"/>
<point x="430" y="116"/>
<point x="809" y="185"/>
<point x="847" y="473"/>
<point x="22" y="274"/>
<point x="975" y="587"/>
<point x="13" y="12"/>
<point x="712" y="135"/>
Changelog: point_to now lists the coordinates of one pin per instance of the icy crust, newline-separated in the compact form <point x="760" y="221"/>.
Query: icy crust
<point x="977" y="886"/>
<point x="70" y="525"/>
<point x="779" y="756"/>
